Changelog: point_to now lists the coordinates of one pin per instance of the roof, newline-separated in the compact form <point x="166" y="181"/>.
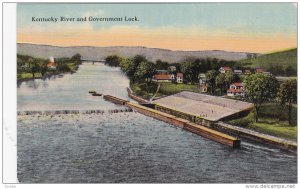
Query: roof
<point x="234" y="90"/>
<point x="259" y="70"/>
<point x="238" y="84"/>
<point x="52" y="64"/>
<point x="238" y="71"/>
<point x="226" y="68"/>
<point x="247" y="70"/>
<point x="161" y="71"/>
<point x="209" y="107"/>
<point x="162" y="77"/>
<point x="179" y="74"/>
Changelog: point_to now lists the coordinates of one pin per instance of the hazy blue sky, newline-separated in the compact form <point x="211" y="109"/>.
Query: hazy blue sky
<point x="224" y="21"/>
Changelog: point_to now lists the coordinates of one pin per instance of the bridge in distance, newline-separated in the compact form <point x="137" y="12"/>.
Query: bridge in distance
<point x="93" y="60"/>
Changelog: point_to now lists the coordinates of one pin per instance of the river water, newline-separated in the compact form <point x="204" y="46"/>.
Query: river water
<point x="125" y="147"/>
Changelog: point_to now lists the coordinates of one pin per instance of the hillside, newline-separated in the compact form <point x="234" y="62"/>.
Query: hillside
<point x="279" y="63"/>
<point x="152" y="54"/>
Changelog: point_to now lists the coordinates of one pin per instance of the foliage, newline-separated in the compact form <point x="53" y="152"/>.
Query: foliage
<point x="145" y="71"/>
<point x="287" y="95"/>
<point x="38" y="66"/>
<point x="211" y="79"/>
<point x="113" y="61"/>
<point x="161" y="65"/>
<point x="260" y="88"/>
<point x="282" y="63"/>
<point x="272" y="120"/>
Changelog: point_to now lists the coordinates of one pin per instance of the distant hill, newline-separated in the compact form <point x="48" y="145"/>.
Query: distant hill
<point x="279" y="63"/>
<point x="152" y="54"/>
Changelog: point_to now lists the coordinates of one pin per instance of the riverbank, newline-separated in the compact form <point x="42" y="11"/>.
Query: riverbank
<point x="28" y="76"/>
<point x="273" y="121"/>
<point x="165" y="89"/>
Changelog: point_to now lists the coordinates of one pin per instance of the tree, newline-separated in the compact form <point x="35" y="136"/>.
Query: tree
<point x="287" y="95"/>
<point x="161" y="65"/>
<point x="187" y="69"/>
<point x="221" y="82"/>
<point x="144" y="72"/>
<point x="260" y="88"/>
<point x="211" y="79"/>
<point x="76" y="59"/>
<point x="126" y="65"/>
<point x="113" y="61"/>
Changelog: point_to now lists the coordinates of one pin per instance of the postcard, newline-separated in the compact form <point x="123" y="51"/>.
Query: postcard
<point x="157" y="93"/>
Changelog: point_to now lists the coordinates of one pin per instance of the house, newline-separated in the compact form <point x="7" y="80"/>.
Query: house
<point x="161" y="78"/>
<point x="267" y="73"/>
<point x="179" y="77"/>
<point x="173" y="77"/>
<point x="52" y="64"/>
<point x="238" y="72"/>
<point x="203" y="87"/>
<point x="225" y="69"/>
<point x="259" y="70"/>
<point x="236" y="89"/>
<point x="247" y="72"/>
<point x="172" y="68"/>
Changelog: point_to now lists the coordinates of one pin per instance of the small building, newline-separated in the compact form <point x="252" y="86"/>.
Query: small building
<point x="162" y="78"/>
<point x="203" y="83"/>
<point x="267" y="73"/>
<point x="259" y="70"/>
<point x="173" y="77"/>
<point x="225" y="69"/>
<point x="238" y="72"/>
<point x="236" y="89"/>
<point x="172" y="68"/>
<point x="203" y="87"/>
<point x="247" y="72"/>
<point x="179" y="77"/>
<point x="52" y="64"/>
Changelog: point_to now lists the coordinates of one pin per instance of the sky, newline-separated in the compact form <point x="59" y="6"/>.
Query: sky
<point x="240" y="27"/>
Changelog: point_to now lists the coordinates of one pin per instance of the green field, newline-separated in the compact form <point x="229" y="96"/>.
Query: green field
<point x="279" y="63"/>
<point x="165" y="89"/>
<point x="272" y="120"/>
<point x="29" y="75"/>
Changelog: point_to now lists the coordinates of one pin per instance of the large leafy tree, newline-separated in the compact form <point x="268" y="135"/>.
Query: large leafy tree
<point x="113" y="61"/>
<point x="260" y="88"/>
<point x="221" y="82"/>
<point x="287" y="95"/>
<point x="126" y="65"/>
<point x="144" y="72"/>
<point x="211" y="79"/>
<point x="187" y="69"/>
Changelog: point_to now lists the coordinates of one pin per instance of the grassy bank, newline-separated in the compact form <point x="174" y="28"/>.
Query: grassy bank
<point x="273" y="120"/>
<point x="165" y="89"/>
<point x="279" y="63"/>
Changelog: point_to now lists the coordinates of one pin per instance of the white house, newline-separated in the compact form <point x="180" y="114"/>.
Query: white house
<point x="236" y="89"/>
<point x="238" y="72"/>
<point x="179" y="77"/>
<point x="225" y="69"/>
<point x="172" y="68"/>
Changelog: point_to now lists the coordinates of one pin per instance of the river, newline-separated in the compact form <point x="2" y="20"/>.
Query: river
<point x="125" y="147"/>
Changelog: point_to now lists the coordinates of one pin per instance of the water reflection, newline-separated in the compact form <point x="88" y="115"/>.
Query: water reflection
<point x="70" y="91"/>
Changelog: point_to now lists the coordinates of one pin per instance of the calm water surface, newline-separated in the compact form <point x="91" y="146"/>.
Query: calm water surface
<point x="126" y="147"/>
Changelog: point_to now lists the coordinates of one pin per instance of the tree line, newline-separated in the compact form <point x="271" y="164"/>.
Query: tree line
<point x="33" y="65"/>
